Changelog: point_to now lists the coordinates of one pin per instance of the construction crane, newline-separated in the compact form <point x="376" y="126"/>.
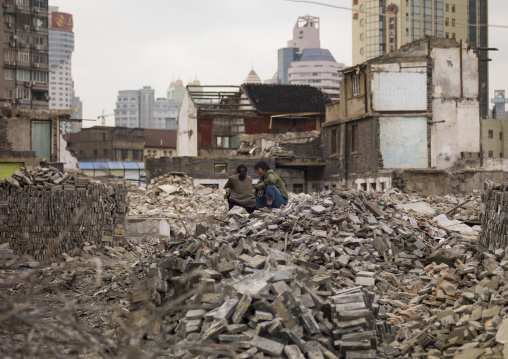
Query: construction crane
<point x="103" y="118"/>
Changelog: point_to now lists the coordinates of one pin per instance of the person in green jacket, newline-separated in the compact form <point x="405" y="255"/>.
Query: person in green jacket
<point x="275" y="193"/>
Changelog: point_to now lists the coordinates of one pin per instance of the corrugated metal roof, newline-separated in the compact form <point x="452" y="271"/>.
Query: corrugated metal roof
<point x="130" y="165"/>
<point x="100" y="165"/>
<point x="141" y="165"/>
<point x="115" y="165"/>
<point x="85" y="165"/>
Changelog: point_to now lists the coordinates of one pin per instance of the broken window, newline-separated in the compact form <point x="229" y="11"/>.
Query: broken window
<point x="226" y="132"/>
<point x="356" y="85"/>
<point x="220" y="168"/>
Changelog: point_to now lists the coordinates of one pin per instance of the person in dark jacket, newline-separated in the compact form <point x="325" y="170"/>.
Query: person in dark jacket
<point x="275" y="193"/>
<point x="241" y="189"/>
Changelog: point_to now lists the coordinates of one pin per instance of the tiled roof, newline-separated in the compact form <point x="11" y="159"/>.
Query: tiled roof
<point x="284" y="99"/>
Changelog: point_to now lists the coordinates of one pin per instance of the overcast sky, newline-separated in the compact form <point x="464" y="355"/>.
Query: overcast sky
<point x="128" y="44"/>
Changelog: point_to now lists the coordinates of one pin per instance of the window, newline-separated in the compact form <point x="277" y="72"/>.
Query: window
<point x="41" y="59"/>
<point x="453" y="22"/>
<point x="453" y="8"/>
<point x="120" y="131"/>
<point x="22" y="2"/>
<point x="95" y="153"/>
<point x="407" y="31"/>
<point x="124" y="155"/>
<point x="447" y="7"/>
<point x="38" y="40"/>
<point x="9" y="55"/>
<point x="23" y="92"/>
<point x="447" y="35"/>
<point x="220" y="168"/>
<point x="356" y="85"/>
<point x="491" y="154"/>
<point x="9" y="93"/>
<point x="24" y="56"/>
<point x="500" y="136"/>
<point x="8" y="36"/>
<point x="22" y="75"/>
<point x="138" y="132"/>
<point x="9" y="74"/>
<point x="41" y="22"/>
<point x="447" y="22"/>
<point x="491" y="133"/>
<point x="501" y="154"/>
<point x="105" y="153"/>
<point x="354" y="138"/>
<point x="297" y="187"/>
<point x="136" y="155"/>
<point x="334" y="141"/>
<point x="39" y="76"/>
<point x="453" y="35"/>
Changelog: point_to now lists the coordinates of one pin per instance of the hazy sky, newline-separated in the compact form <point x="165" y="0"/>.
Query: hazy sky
<point x="128" y="44"/>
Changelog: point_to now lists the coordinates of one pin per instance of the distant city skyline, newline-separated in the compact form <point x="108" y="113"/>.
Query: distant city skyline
<point x="219" y="44"/>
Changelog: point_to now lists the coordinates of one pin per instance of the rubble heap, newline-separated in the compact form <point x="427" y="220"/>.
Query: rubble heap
<point x="46" y="213"/>
<point x="338" y="274"/>
<point x="173" y="196"/>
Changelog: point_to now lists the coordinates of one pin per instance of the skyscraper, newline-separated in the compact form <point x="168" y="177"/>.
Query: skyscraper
<point x="305" y="62"/>
<point x="61" y="84"/>
<point x="382" y="26"/>
<point x="24" y="83"/>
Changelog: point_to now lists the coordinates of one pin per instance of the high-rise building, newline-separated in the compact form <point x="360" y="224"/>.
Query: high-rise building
<point x="24" y="83"/>
<point x="304" y="62"/>
<point x="61" y="84"/>
<point x="499" y="101"/>
<point x="382" y="26"/>
<point x="140" y="109"/>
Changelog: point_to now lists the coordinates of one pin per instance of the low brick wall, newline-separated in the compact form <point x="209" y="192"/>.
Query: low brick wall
<point x="46" y="223"/>
<point x="494" y="217"/>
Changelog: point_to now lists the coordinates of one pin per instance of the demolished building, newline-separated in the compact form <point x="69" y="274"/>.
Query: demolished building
<point x="415" y="108"/>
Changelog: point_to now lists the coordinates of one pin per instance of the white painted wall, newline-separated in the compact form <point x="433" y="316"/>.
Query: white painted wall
<point x="456" y="121"/>
<point x="399" y="87"/>
<point x="187" y="128"/>
<point x="70" y="162"/>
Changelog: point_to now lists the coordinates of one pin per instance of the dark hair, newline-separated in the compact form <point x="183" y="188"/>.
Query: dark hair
<point x="263" y="165"/>
<point x="242" y="171"/>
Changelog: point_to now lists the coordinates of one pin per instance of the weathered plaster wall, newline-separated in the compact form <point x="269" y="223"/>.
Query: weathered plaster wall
<point x="399" y="87"/>
<point x="187" y="128"/>
<point x="18" y="133"/>
<point x="403" y="142"/>
<point x="456" y="124"/>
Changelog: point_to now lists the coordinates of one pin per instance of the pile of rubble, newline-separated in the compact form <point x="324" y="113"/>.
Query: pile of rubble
<point x="41" y="178"/>
<point x="337" y="274"/>
<point x="175" y="198"/>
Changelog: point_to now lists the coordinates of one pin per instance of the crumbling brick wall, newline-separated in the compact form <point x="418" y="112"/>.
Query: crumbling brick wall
<point x="46" y="223"/>
<point x="365" y="161"/>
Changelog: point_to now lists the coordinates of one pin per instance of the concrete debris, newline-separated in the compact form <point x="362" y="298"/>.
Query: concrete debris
<point x="336" y="274"/>
<point x="360" y="278"/>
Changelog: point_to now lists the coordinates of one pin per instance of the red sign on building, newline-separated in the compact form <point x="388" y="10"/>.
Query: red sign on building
<point x="355" y="16"/>
<point x="61" y="21"/>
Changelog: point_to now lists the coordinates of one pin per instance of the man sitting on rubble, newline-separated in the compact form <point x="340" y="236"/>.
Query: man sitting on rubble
<point x="271" y="192"/>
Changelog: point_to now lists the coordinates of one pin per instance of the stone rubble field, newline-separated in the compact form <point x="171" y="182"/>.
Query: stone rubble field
<point x="336" y="274"/>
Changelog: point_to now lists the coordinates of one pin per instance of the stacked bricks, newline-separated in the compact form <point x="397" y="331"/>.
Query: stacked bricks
<point x="494" y="217"/>
<point x="44" y="213"/>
